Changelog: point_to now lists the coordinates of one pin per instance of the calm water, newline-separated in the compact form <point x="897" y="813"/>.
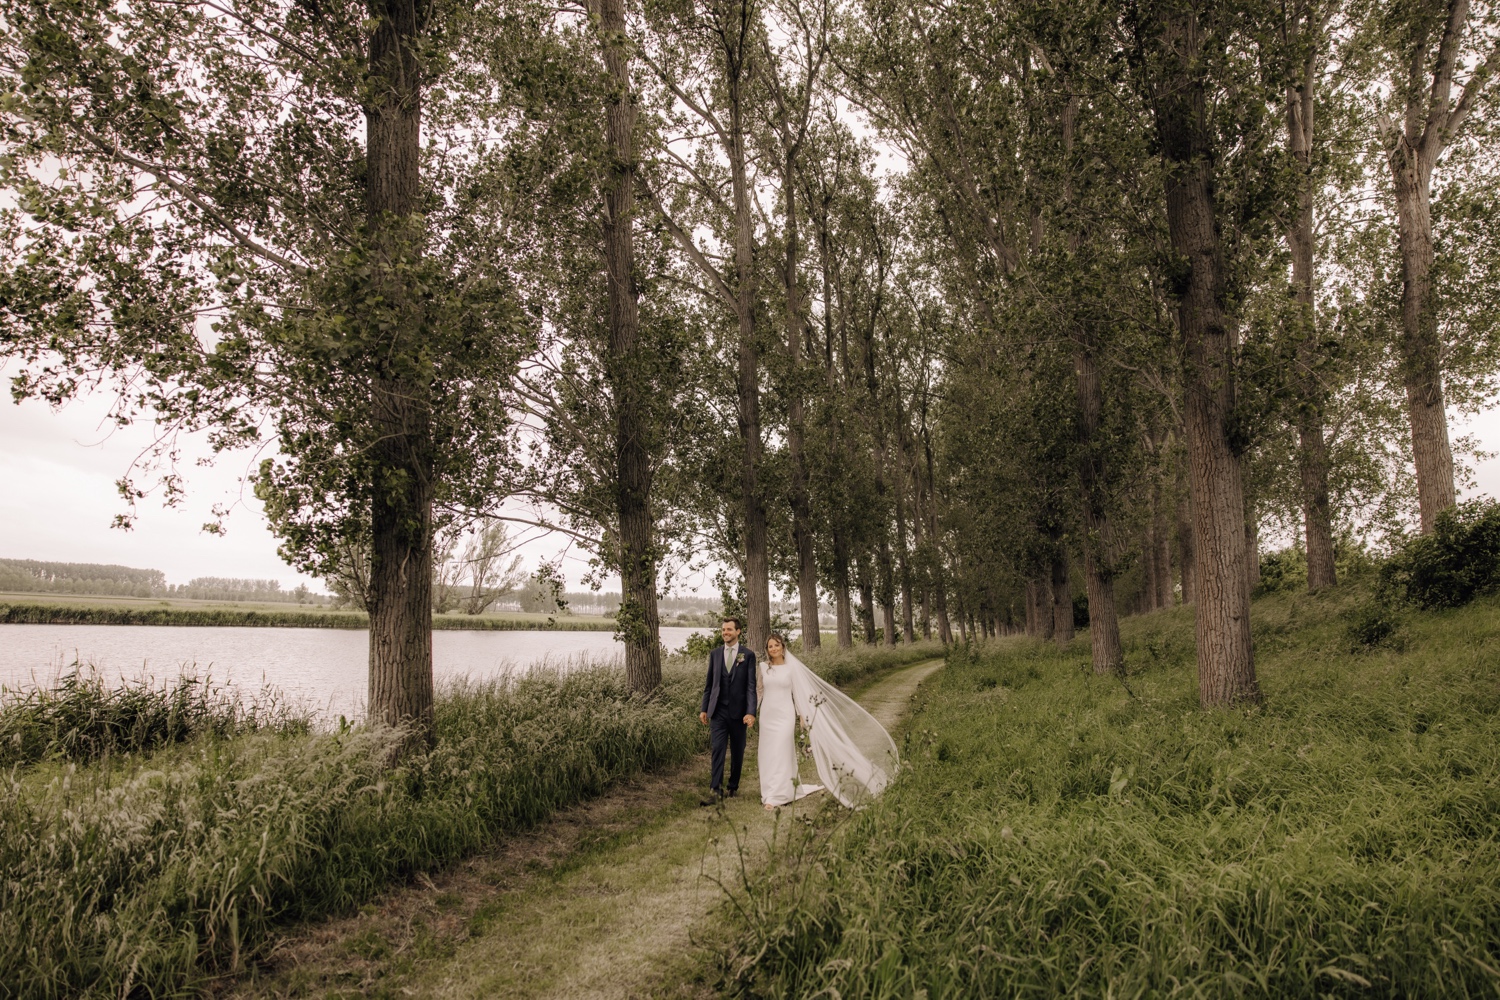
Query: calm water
<point x="326" y="669"/>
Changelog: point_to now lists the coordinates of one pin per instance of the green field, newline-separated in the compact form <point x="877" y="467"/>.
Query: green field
<point x="17" y="608"/>
<point x="1061" y="834"/>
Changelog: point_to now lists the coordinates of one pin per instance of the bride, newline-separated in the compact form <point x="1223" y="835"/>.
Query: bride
<point x="855" y="756"/>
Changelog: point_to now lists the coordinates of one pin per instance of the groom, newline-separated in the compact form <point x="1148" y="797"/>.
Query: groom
<point x="728" y="706"/>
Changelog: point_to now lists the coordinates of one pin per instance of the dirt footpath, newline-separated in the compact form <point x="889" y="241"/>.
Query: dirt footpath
<point x="613" y="898"/>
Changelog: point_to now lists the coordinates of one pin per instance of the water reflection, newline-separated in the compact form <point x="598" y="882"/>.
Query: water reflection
<point x="325" y="669"/>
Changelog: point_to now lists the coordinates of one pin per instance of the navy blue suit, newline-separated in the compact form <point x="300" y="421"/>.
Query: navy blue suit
<point x="728" y="696"/>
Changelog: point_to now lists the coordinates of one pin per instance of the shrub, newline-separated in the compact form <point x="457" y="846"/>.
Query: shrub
<point x="1283" y="570"/>
<point x="1373" y="625"/>
<point x="1458" y="562"/>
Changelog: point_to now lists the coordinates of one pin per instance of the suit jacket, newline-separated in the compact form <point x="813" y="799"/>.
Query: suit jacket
<point x="737" y="692"/>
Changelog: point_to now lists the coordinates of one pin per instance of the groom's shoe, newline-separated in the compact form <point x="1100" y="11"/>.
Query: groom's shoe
<point x="713" y="798"/>
<point x="733" y="792"/>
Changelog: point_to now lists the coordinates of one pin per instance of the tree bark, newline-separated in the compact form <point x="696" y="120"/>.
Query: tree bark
<point x="866" y="598"/>
<point x="737" y="48"/>
<point x="400" y="597"/>
<point x="1431" y="123"/>
<point x="1312" y="448"/>
<point x="1161" y="541"/>
<point x="1226" y="664"/>
<point x="1421" y="351"/>
<point x="1099" y="541"/>
<point x="843" y="613"/>
<point x="796" y="333"/>
<point x="638" y="619"/>
<point x="1186" y="551"/>
<point x="1149" y="588"/>
<point x="1062" y="598"/>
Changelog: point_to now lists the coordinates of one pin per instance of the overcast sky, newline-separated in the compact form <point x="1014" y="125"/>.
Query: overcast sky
<point x="57" y="499"/>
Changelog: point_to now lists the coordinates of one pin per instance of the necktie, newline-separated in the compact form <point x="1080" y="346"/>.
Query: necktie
<point x="729" y="660"/>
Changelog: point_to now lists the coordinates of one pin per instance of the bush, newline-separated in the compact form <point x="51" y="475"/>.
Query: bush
<point x="1458" y="562"/>
<point x="1373" y="625"/>
<point x="1283" y="570"/>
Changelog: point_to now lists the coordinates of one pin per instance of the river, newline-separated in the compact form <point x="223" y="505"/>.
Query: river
<point x="323" y="669"/>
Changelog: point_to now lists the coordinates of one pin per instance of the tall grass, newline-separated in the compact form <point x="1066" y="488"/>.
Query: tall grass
<point x="62" y="614"/>
<point x="1055" y="834"/>
<point x="149" y="877"/>
<point x="84" y="716"/>
<point x="844" y="667"/>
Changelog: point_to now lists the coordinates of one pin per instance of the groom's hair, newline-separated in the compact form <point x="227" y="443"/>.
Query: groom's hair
<point x="733" y="618"/>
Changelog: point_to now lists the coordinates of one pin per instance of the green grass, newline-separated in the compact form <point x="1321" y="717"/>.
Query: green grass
<point x="26" y="613"/>
<point x="154" y="837"/>
<point x="147" y="876"/>
<point x="1053" y="834"/>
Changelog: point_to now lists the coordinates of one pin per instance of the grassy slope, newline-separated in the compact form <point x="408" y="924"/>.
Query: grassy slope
<point x="1057" y="835"/>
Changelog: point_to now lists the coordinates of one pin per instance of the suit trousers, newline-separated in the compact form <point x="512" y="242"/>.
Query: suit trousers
<point x="726" y="732"/>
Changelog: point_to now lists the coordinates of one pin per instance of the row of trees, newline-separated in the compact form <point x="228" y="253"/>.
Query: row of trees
<point x="925" y="309"/>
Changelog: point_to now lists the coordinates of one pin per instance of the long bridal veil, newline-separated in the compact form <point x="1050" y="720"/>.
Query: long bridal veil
<point x="856" y="757"/>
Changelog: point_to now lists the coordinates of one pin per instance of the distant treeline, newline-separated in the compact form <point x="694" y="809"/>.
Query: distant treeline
<point x="31" y="576"/>
<point x="41" y="614"/>
<point x="608" y="602"/>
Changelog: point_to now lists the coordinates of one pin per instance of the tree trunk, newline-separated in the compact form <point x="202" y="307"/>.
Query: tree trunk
<point x="1312" y="448"/>
<point x="400" y="597"/>
<point x="1062" y="598"/>
<point x="1161" y="540"/>
<point x="842" y="610"/>
<point x="1226" y="665"/>
<point x="940" y="598"/>
<point x="887" y="593"/>
<point x="637" y="619"/>
<point x="796" y="332"/>
<point x="1186" y="552"/>
<point x="1421" y="351"/>
<point x="1149" y="588"/>
<point x="1099" y="541"/>
<point x="757" y="563"/>
<point x="866" y="598"/>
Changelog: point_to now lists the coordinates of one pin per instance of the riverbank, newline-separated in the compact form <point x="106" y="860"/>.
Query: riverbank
<point x="615" y="898"/>
<point x="1059" y="833"/>
<point x="15" y="612"/>
<point x="164" y="871"/>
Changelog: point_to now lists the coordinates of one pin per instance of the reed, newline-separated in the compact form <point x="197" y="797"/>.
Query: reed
<point x="1054" y="833"/>
<point x="85" y="716"/>
<point x="152" y="874"/>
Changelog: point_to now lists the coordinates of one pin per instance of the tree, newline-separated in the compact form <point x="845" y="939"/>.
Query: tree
<point x="233" y="214"/>
<point x="1427" y="54"/>
<point x="1183" y="49"/>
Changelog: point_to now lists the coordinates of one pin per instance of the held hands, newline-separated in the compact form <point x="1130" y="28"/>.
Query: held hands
<point x="748" y="720"/>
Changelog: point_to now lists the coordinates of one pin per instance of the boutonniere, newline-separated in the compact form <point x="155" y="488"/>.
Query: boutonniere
<point x="739" y="659"/>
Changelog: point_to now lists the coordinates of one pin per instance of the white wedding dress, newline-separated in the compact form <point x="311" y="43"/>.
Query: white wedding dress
<point x="856" y="758"/>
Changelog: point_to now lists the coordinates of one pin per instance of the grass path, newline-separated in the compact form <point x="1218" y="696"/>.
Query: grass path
<point x="611" y="899"/>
